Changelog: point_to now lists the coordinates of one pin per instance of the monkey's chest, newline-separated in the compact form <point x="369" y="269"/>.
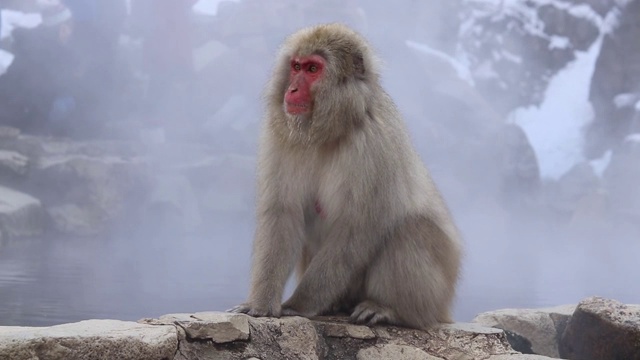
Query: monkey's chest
<point x="319" y="210"/>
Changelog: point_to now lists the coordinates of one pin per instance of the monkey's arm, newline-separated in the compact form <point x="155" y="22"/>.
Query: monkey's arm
<point x="277" y="245"/>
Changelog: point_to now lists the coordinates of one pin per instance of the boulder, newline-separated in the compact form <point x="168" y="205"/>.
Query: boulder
<point x="75" y="219"/>
<point x="602" y="329"/>
<point x="215" y="326"/>
<point x="84" y="185"/>
<point x="99" y="189"/>
<point x="20" y="214"/>
<point x="91" y="339"/>
<point x="532" y="331"/>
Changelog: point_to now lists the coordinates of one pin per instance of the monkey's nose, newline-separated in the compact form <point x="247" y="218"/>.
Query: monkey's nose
<point x="293" y="89"/>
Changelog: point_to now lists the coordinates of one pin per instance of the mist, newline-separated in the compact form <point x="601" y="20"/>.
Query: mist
<point x="527" y="116"/>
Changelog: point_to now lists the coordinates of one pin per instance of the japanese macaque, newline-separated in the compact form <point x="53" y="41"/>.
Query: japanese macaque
<point x="343" y="194"/>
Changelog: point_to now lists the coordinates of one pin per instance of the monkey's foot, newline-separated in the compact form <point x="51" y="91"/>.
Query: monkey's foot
<point x="250" y="310"/>
<point x="370" y="313"/>
<point x="290" y="312"/>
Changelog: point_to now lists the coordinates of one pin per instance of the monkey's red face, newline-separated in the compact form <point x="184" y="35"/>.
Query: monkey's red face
<point x="303" y="73"/>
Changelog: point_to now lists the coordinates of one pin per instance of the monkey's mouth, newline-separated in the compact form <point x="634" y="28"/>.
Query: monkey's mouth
<point x="297" y="109"/>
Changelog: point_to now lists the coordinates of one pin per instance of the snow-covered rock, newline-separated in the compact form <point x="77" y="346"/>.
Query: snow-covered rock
<point x="6" y="58"/>
<point x="12" y="19"/>
<point x="513" y="48"/>
<point x="615" y="87"/>
<point x="13" y="163"/>
<point x="20" y="214"/>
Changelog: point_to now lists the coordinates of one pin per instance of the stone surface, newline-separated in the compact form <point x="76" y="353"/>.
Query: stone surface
<point x="541" y="328"/>
<point x="286" y="338"/>
<point x="397" y="352"/>
<point x="519" y="357"/>
<point x="91" y="339"/>
<point x="20" y="214"/>
<point x="218" y="327"/>
<point x="216" y="335"/>
<point x="329" y="338"/>
<point x="346" y="330"/>
<point x="602" y="329"/>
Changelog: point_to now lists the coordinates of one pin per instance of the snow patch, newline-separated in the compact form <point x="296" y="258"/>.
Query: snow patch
<point x="12" y="19"/>
<point x="511" y="57"/>
<point x="485" y="71"/>
<point x="555" y="127"/>
<point x="601" y="164"/>
<point x="12" y="200"/>
<point x="6" y="58"/>
<point x="626" y="100"/>
<point x="209" y="7"/>
<point x="559" y="42"/>
<point x="633" y="138"/>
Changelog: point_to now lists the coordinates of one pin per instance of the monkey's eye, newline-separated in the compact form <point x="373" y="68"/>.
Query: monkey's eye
<point x="296" y="67"/>
<point x="313" y="68"/>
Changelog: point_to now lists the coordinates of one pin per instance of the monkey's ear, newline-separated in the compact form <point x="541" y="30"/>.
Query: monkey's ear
<point x="358" y="65"/>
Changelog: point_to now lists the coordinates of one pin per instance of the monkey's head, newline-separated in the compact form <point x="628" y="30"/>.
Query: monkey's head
<point x="322" y="84"/>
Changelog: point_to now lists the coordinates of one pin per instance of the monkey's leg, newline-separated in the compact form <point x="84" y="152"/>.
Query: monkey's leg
<point x="337" y="267"/>
<point x="411" y="283"/>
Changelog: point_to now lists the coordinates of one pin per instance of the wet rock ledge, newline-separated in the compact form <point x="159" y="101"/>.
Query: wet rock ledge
<point x="597" y="329"/>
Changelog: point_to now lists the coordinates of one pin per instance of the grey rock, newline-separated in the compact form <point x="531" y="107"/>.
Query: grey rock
<point x="287" y="338"/>
<point x="397" y="352"/>
<point x="347" y="330"/>
<point x="215" y="326"/>
<point x="91" y="339"/>
<point x="542" y="328"/>
<point x="602" y="329"/>
<point x="220" y="327"/>
<point x="519" y="357"/>
<point x="75" y="219"/>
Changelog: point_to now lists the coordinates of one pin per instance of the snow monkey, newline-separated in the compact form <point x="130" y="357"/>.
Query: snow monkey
<point x="343" y="194"/>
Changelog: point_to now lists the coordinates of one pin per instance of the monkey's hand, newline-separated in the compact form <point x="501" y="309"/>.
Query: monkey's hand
<point x="256" y="311"/>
